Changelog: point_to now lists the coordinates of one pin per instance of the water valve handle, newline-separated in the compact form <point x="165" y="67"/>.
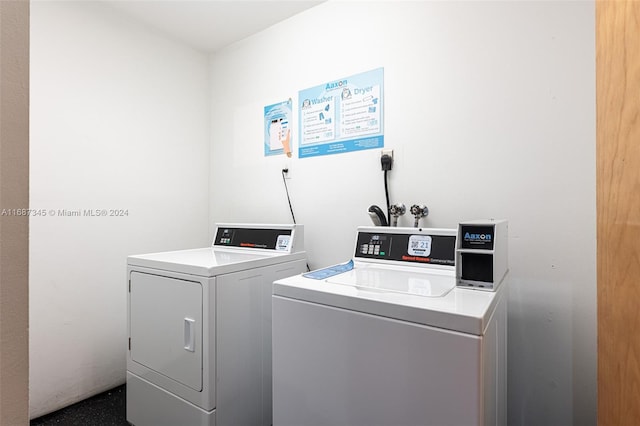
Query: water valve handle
<point x="418" y="211"/>
<point x="396" y="211"/>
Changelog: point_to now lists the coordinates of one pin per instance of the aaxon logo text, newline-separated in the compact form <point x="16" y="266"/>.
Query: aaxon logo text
<point x="335" y="85"/>
<point x="477" y="237"/>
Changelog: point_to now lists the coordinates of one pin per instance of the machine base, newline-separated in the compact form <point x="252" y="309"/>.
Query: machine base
<point x="150" y="405"/>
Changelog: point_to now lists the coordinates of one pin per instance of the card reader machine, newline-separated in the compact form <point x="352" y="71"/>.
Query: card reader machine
<point x="481" y="254"/>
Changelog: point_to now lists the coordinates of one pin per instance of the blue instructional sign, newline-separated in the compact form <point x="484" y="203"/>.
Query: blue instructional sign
<point x="277" y="131"/>
<point x="342" y="115"/>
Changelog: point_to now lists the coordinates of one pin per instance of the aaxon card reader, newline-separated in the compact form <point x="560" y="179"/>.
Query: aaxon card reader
<point x="481" y="254"/>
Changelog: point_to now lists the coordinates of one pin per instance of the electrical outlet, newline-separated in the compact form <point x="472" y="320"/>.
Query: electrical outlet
<point x="386" y="159"/>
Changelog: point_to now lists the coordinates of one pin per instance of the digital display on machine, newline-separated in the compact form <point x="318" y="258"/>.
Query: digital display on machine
<point x="417" y="248"/>
<point x="270" y="239"/>
<point x="419" y="245"/>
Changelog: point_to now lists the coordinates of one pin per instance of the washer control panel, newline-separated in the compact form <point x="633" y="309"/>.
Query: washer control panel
<point x="414" y="245"/>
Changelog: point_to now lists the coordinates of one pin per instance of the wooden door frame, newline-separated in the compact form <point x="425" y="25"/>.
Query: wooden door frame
<point x="618" y="210"/>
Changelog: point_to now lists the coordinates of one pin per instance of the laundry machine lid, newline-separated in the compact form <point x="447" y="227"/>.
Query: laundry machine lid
<point x="463" y="310"/>
<point x="408" y="281"/>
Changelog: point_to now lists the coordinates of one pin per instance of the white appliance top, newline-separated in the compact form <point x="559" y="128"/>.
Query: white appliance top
<point x="235" y="247"/>
<point x="393" y="279"/>
<point x="403" y="284"/>
<point x="209" y="262"/>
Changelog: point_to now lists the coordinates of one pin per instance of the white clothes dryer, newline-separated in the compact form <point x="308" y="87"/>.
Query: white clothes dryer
<point x="388" y="339"/>
<point x="199" y="324"/>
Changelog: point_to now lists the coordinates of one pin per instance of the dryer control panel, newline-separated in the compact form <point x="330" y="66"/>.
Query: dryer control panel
<point x="277" y="238"/>
<point x="413" y="245"/>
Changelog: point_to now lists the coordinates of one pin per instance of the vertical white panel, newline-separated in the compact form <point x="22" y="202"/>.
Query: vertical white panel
<point x="337" y="367"/>
<point x="119" y="121"/>
<point x="239" y="316"/>
<point x="243" y="319"/>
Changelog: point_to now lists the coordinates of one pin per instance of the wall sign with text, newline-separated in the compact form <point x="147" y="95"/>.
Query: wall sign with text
<point x="342" y="115"/>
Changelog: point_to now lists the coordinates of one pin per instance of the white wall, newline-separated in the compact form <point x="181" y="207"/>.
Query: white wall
<point x="490" y="108"/>
<point x="119" y="120"/>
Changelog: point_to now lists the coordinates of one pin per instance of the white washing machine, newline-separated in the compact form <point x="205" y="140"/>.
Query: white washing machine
<point x="388" y="339"/>
<point x="199" y="325"/>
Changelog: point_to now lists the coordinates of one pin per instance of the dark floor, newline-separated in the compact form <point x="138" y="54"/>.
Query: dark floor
<point x="105" y="409"/>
